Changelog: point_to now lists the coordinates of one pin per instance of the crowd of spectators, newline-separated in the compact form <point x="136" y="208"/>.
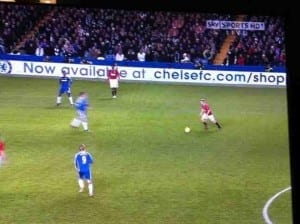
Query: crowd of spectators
<point x="16" y="22"/>
<point x="161" y="36"/>
<point x="258" y="47"/>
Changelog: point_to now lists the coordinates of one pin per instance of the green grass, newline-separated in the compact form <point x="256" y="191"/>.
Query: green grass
<point x="146" y="170"/>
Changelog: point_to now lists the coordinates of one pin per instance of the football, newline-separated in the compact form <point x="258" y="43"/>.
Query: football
<point x="187" y="130"/>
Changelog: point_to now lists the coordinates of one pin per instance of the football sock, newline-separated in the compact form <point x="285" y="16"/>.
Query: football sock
<point x="71" y="100"/>
<point x="58" y="100"/>
<point x="219" y="126"/>
<point x="205" y="125"/>
<point x="90" y="186"/>
<point x="81" y="183"/>
<point x="85" y="126"/>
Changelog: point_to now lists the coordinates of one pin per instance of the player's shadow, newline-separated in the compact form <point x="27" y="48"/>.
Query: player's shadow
<point x="105" y="98"/>
<point x="60" y="107"/>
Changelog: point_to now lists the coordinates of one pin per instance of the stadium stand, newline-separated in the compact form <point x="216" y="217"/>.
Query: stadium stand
<point x="167" y="37"/>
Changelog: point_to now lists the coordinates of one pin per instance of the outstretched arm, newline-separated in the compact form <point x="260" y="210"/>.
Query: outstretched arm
<point x="201" y="111"/>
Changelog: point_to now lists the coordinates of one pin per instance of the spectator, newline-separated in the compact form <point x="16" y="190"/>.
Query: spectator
<point x="57" y="51"/>
<point x="141" y="55"/>
<point x="2" y="47"/>
<point x="85" y="61"/>
<point x="131" y="55"/>
<point x="240" y="59"/>
<point x="185" y="58"/>
<point x="268" y="68"/>
<point x="39" y="51"/>
<point x="119" y="55"/>
<point x="198" y="64"/>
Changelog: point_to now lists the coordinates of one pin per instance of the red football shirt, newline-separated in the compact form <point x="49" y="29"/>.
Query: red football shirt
<point x="113" y="74"/>
<point x="206" y="109"/>
<point x="2" y="146"/>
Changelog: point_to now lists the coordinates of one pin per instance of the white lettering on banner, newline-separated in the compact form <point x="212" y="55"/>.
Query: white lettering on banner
<point x="192" y="76"/>
<point x="213" y="24"/>
<point x="234" y="25"/>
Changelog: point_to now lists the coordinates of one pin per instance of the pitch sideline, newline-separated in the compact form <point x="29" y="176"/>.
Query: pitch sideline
<point x="269" y="202"/>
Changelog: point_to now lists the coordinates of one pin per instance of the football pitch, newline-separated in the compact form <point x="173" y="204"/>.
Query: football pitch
<point x="147" y="170"/>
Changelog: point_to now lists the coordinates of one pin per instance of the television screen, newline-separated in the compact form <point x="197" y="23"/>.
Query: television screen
<point x="134" y="114"/>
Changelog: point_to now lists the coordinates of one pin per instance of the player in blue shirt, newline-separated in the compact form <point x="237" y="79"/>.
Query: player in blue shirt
<point x="82" y="163"/>
<point x="65" y="84"/>
<point x="81" y="105"/>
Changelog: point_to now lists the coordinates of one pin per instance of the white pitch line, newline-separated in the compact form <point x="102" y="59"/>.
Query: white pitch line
<point x="269" y="202"/>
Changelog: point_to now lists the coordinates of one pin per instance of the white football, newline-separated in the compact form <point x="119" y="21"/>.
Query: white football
<point x="187" y="130"/>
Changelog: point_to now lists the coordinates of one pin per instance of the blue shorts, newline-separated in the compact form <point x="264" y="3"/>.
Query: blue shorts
<point x="64" y="90"/>
<point x="85" y="175"/>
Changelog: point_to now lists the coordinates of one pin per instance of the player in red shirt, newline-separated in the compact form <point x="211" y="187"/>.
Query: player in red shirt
<point x="2" y="151"/>
<point x="207" y="114"/>
<point x="113" y="77"/>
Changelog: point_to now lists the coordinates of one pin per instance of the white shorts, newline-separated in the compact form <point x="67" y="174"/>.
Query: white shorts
<point x="81" y="116"/>
<point x="206" y="117"/>
<point x="114" y="83"/>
